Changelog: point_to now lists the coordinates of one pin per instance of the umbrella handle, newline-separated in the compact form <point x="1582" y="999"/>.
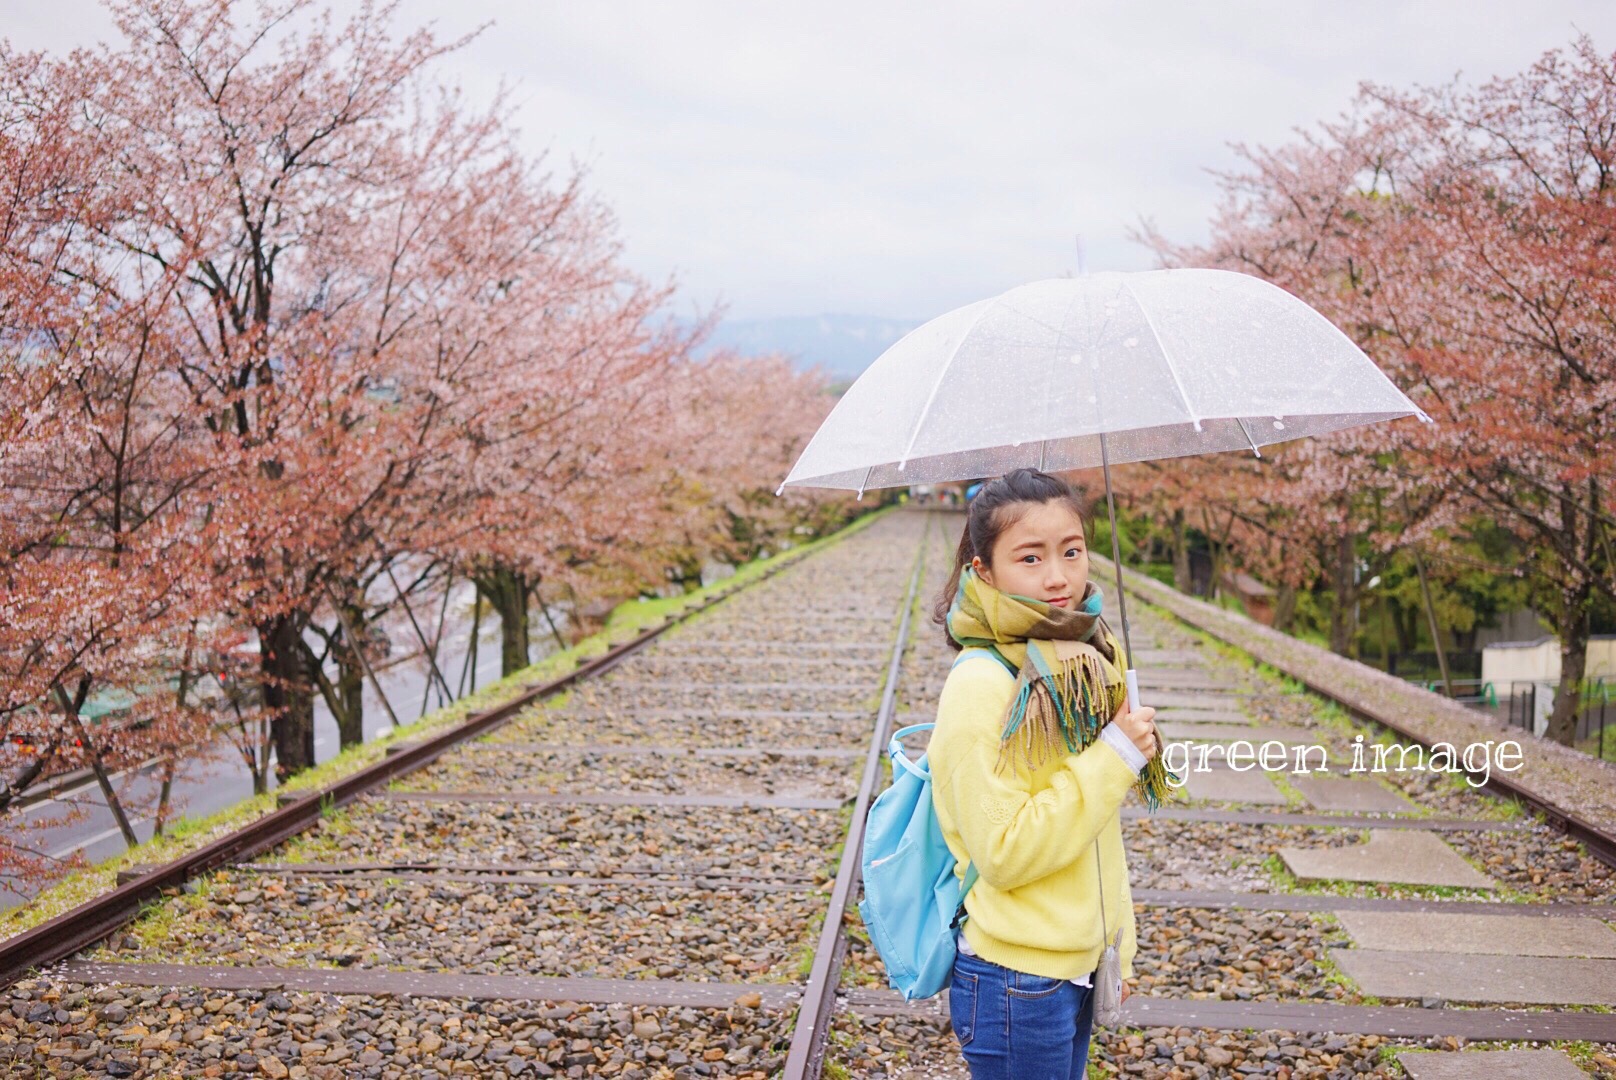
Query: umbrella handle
<point x="1133" y="702"/>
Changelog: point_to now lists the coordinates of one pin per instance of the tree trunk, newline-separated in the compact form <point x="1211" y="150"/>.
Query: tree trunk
<point x="445" y="695"/>
<point x="1405" y="621"/>
<point x="1212" y="590"/>
<point x="351" y="689"/>
<point x="555" y="632"/>
<point x="469" y="665"/>
<point x="17" y="785"/>
<point x="346" y="699"/>
<point x="1284" y="607"/>
<point x="164" y="797"/>
<point x="1436" y="629"/>
<point x="253" y="744"/>
<point x="169" y="759"/>
<point x="1386" y="663"/>
<point x="507" y="593"/>
<point x="288" y="694"/>
<point x="1181" y="556"/>
<point x="1573" y="629"/>
<point x="1343" y="617"/>
<point x="686" y="571"/>
<point x="71" y="707"/>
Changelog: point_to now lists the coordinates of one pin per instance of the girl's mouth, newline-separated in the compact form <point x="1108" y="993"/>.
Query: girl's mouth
<point x="1058" y="600"/>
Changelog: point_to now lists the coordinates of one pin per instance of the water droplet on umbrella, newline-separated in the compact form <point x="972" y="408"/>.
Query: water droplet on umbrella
<point x="1131" y="342"/>
<point x="1076" y="358"/>
<point x="1279" y="425"/>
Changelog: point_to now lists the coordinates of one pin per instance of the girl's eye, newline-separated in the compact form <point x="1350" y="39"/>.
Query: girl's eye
<point x="1024" y="558"/>
<point x="1074" y="551"/>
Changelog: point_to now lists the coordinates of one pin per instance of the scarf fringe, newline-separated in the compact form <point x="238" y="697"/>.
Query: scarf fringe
<point x="1067" y="707"/>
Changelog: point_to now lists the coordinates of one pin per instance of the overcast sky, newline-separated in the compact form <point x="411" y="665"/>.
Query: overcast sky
<point x="900" y="159"/>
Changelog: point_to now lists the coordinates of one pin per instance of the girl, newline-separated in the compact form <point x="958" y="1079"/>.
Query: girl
<point x="1027" y="776"/>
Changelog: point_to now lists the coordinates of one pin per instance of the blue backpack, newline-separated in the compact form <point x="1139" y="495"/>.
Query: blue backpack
<point x="912" y="904"/>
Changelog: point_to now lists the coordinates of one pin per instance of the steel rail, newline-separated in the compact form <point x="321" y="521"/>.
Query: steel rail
<point x="95" y="920"/>
<point x="806" y="1057"/>
<point x="1601" y="845"/>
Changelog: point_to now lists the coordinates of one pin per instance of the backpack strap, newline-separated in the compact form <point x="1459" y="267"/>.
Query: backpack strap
<point x="965" y="887"/>
<point x="988" y="650"/>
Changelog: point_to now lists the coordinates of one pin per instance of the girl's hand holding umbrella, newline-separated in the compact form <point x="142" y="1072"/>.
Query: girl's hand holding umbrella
<point x="1139" y="726"/>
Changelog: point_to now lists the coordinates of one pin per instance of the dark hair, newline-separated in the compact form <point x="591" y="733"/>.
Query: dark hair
<point x="990" y="513"/>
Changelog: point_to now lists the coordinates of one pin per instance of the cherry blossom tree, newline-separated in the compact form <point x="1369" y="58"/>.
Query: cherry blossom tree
<point x="1492" y="274"/>
<point x="1459" y="234"/>
<point x="290" y="336"/>
<point x="98" y="581"/>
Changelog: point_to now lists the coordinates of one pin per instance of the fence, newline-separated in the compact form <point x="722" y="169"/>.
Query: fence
<point x="1526" y="704"/>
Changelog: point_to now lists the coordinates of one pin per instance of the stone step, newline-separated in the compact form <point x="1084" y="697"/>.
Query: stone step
<point x="1173" y="726"/>
<point x="1364" y="795"/>
<point x="1393" y="856"/>
<point x="1184" y="679"/>
<point x="1180" y="714"/>
<point x="1479" y="979"/>
<point x="1228" y="785"/>
<point x="1493" y="935"/>
<point x="1493" y="1064"/>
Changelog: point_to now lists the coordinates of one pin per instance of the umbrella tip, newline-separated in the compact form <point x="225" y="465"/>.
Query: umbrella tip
<point x="778" y="490"/>
<point x="860" y="495"/>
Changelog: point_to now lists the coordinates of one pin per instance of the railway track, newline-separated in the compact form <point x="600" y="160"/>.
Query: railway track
<point x="624" y="879"/>
<point x="651" y="872"/>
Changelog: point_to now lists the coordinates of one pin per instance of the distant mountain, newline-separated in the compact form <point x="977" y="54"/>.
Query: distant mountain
<point x="843" y="345"/>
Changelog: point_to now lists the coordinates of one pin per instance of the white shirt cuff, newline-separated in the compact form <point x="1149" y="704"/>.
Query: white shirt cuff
<point x="1123" y="745"/>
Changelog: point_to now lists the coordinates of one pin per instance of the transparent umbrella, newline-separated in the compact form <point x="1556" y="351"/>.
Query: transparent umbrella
<point x="1074" y="373"/>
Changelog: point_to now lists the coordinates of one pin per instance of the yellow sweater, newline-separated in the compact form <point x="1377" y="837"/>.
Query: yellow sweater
<point x="1035" y="906"/>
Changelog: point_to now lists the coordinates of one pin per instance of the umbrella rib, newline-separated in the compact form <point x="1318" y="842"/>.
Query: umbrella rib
<point x="1168" y="360"/>
<point x="924" y="409"/>
<point x="1060" y="338"/>
<point x="1244" y="431"/>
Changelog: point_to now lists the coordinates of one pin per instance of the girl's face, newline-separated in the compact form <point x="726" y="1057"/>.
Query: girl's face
<point x="1042" y="555"/>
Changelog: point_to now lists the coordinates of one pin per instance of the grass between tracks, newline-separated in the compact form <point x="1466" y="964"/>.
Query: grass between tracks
<point x="190" y="834"/>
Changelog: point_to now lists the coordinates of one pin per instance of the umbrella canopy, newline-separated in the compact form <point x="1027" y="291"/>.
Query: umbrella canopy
<point x="1163" y="363"/>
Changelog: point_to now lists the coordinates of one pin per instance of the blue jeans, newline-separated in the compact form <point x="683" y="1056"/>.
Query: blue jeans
<point x="1015" y="1026"/>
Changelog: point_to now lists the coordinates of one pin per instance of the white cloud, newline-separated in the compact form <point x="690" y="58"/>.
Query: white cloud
<point x="903" y="158"/>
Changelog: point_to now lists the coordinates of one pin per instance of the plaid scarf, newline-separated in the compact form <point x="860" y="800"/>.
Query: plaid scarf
<point x="1070" y="682"/>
